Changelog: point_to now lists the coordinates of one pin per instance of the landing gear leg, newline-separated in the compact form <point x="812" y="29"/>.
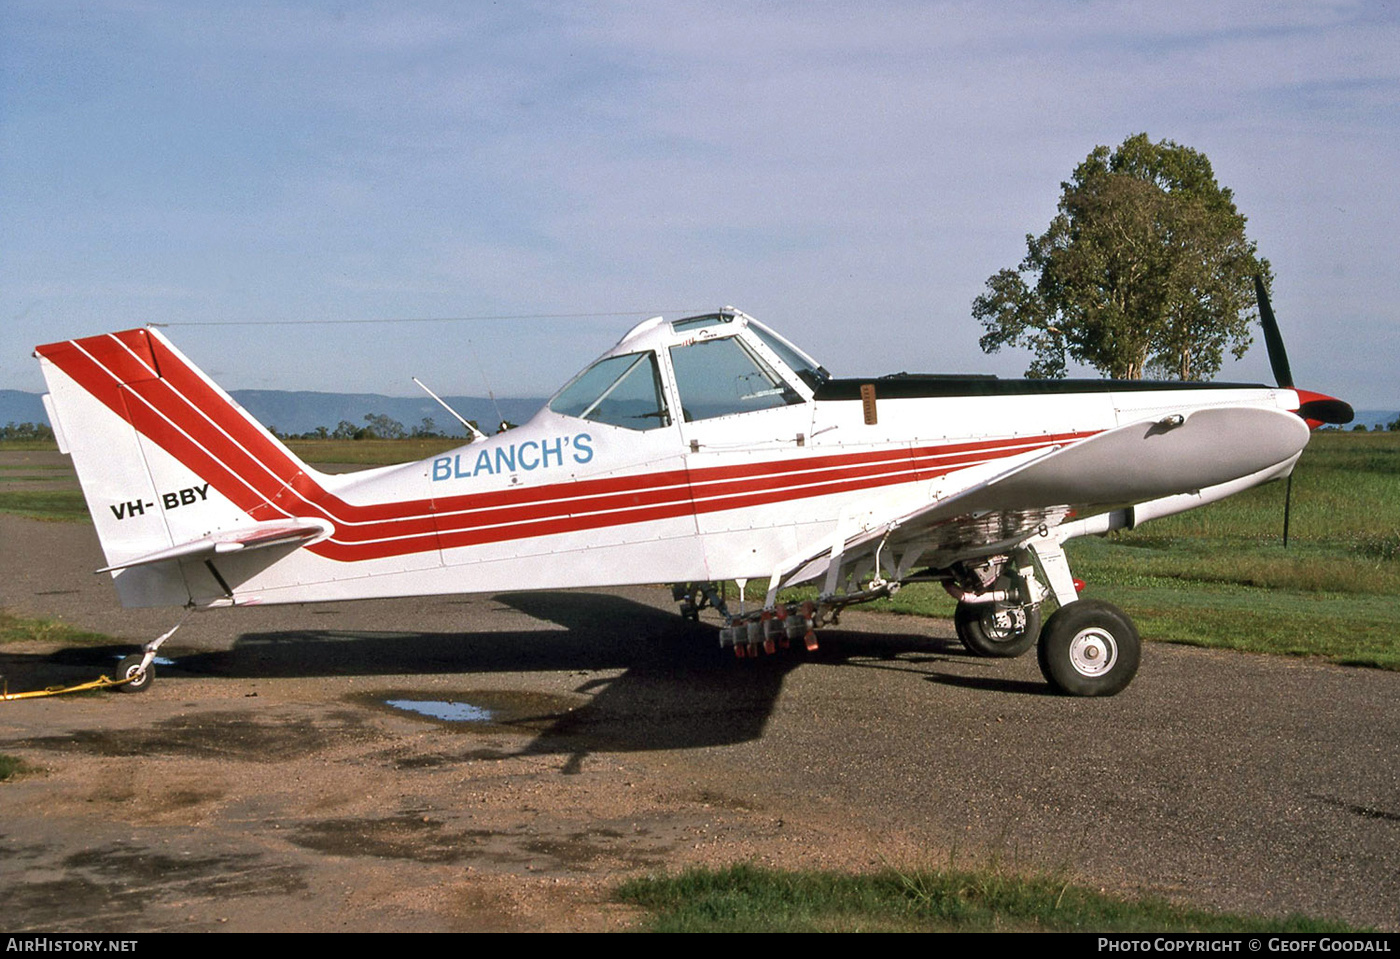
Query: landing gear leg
<point x="1088" y="647"/>
<point x="138" y="669"/>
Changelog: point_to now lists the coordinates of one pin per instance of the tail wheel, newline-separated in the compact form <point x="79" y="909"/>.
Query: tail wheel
<point x="130" y="668"/>
<point x="991" y="629"/>
<point x="1089" y="648"/>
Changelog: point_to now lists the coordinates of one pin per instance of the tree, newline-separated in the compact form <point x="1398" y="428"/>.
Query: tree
<point x="381" y="426"/>
<point x="1146" y="266"/>
<point x="346" y="430"/>
<point x="32" y="432"/>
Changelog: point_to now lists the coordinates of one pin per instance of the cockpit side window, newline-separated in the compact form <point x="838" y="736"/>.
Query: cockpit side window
<point x="619" y="390"/>
<point x="723" y="376"/>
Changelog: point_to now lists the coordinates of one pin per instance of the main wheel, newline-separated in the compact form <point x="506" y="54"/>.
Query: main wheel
<point x="129" y="667"/>
<point x="989" y="629"/>
<point x="1089" y="648"/>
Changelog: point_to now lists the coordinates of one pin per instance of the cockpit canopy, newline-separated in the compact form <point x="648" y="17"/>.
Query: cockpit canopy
<point x="697" y="368"/>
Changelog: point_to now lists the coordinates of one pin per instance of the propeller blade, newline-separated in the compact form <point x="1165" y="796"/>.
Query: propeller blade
<point x="1273" y="342"/>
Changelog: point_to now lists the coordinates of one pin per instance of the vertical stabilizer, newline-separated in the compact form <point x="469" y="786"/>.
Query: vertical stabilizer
<point x="164" y="457"/>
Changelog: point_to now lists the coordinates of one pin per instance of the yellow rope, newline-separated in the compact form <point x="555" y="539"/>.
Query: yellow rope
<point x="102" y="682"/>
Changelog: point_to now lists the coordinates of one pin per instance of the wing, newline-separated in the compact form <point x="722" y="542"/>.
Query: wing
<point x="975" y="514"/>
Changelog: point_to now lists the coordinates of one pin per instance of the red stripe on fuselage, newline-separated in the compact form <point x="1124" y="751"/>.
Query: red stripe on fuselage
<point x="199" y="426"/>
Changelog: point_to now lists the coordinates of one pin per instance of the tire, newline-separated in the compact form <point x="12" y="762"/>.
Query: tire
<point x="983" y="636"/>
<point x="128" y="667"/>
<point x="1089" y="648"/>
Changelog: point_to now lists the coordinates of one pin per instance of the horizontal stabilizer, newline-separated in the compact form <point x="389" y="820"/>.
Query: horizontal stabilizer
<point x="256" y="536"/>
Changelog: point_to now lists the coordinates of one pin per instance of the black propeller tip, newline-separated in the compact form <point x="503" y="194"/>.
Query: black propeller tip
<point x="1273" y="340"/>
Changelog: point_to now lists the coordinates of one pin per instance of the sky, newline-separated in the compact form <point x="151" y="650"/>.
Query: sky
<point x="545" y="175"/>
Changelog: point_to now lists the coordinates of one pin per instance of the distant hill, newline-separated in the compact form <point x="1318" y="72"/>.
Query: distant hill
<point x="304" y="411"/>
<point x="20" y="407"/>
<point x="1374" y="419"/>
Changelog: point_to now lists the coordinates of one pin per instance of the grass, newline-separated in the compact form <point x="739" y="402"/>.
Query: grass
<point x="65" y="506"/>
<point x="61" y="504"/>
<point x="372" y="452"/>
<point x="12" y="767"/>
<point x="749" y="898"/>
<point x="1329" y="608"/>
<point x="16" y="629"/>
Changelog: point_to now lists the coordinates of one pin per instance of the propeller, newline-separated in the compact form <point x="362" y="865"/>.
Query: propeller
<point x="1315" y="408"/>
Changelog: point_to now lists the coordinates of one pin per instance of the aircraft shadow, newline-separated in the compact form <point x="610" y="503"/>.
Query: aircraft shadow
<point x="677" y="689"/>
<point x="1021" y="687"/>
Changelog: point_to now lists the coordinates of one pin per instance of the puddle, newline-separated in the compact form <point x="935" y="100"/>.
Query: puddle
<point x="478" y="709"/>
<point x="446" y="710"/>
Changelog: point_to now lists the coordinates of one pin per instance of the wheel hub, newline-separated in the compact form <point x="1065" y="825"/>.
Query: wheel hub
<point x="1004" y="622"/>
<point x="1093" y="652"/>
